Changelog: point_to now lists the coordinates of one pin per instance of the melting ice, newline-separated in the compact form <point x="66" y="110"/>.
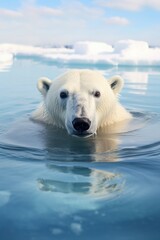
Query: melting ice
<point x="124" y="53"/>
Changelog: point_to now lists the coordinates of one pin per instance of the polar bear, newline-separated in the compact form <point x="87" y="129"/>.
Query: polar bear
<point x="81" y="101"/>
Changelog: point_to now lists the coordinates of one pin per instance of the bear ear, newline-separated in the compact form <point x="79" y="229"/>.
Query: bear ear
<point x="43" y="85"/>
<point x="116" y="83"/>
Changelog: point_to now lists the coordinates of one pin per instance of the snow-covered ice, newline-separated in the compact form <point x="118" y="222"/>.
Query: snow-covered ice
<point x="123" y="53"/>
<point x="92" y="48"/>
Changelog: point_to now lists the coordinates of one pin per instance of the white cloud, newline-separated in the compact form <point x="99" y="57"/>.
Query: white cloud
<point x="50" y="11"/>
<point x="70" y="21"/>
<point x="76" y="8"/>
<point x="132" y="5"/>
<point x="154" y="3"/>
<point x="66" y="23"/>
<point x="10" y="13"/>
<point x="41" y="11"/>
<point x="117" y="21"/>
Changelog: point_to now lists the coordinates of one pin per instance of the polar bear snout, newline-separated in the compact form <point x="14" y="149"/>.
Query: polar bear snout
<point x="81" y="125"/>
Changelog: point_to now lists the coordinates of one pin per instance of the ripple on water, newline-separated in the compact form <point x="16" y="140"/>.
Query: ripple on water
<point x="31" y="141"/>
<point x="79" y="165"/>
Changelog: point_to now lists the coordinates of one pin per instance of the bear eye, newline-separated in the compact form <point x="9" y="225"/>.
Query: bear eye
<point x="64" y="94"/>
<point x="97" y="94"/>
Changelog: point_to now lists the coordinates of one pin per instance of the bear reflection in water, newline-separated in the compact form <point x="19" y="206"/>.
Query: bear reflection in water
<point x="83" y="181"/>
<point x="71" y="158"/>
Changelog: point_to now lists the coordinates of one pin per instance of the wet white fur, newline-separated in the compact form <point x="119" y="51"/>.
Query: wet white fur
<point x="81" y="85"/>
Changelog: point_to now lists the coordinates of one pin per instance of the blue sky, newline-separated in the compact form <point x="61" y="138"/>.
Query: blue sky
<point x="65" y="22"/>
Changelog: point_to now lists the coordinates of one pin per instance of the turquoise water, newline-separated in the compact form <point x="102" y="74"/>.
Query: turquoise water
<point x="54" y="186"/>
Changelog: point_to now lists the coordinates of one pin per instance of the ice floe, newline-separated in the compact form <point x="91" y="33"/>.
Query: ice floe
<point x="123" y="53"/>
<point x="92" y="48"/>
<point x="6" y="60"/>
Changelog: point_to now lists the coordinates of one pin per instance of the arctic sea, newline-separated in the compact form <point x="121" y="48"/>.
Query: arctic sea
<point x="54" y="186"/>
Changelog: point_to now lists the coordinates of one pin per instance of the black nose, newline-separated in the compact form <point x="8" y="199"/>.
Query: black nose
<point x="81" y="124"/>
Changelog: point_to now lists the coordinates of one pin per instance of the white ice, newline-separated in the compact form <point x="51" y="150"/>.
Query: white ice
<point x="124" y="53"/>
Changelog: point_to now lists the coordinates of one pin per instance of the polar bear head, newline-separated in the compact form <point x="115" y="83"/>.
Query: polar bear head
<point x="80" y="101"/>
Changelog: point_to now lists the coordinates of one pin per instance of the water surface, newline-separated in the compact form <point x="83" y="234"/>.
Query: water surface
<point x="54" y="186"/>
